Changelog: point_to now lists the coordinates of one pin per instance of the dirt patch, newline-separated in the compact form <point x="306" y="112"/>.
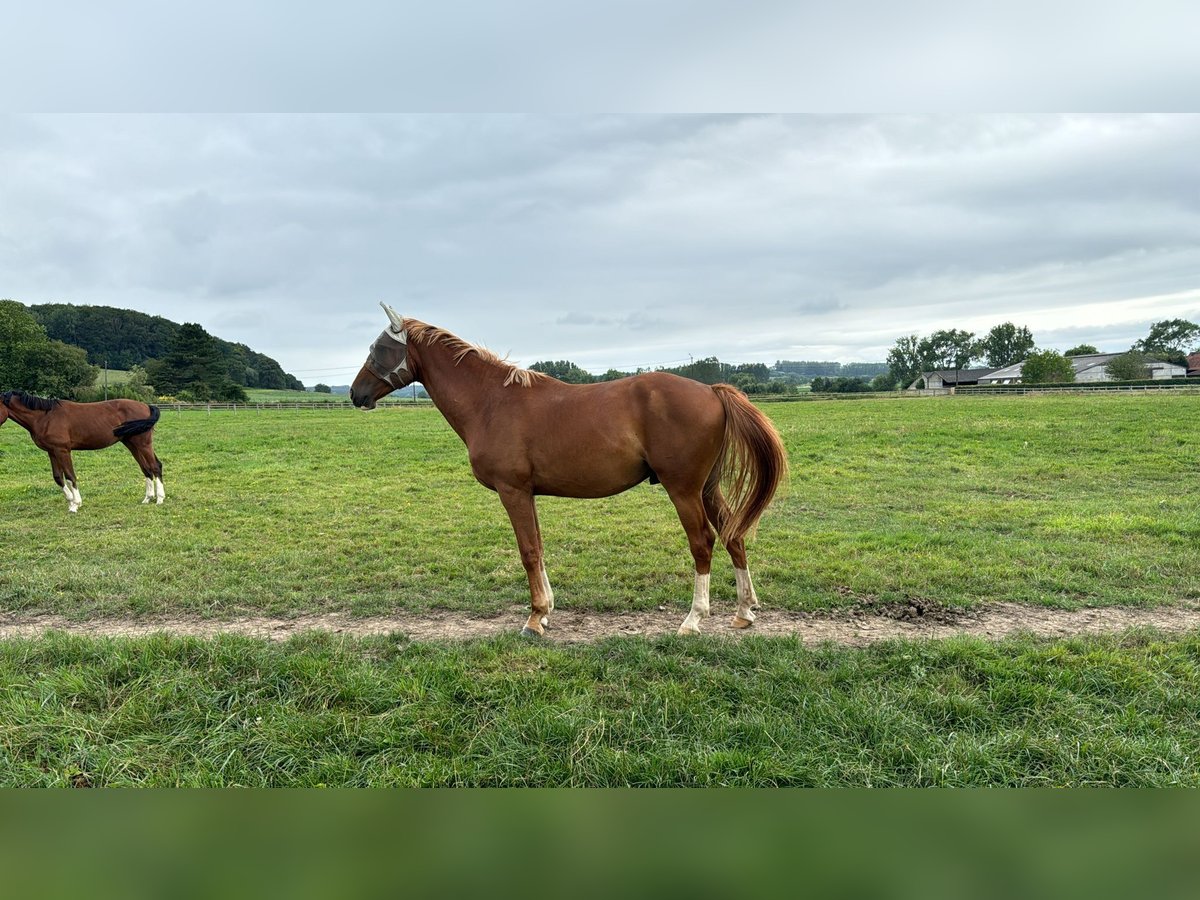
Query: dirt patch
<point x="859" y="624"/>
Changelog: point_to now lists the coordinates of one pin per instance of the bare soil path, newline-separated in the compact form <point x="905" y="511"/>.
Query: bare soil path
<point x="858" y="625"/>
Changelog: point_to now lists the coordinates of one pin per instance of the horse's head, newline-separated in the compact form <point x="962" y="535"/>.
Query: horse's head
<point x="387" y="367"/>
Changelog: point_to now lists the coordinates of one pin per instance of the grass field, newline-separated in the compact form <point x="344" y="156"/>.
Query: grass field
<point x="1063" y="501"/>
<point x="115" y="376"/>
<point x="672" y="711"/>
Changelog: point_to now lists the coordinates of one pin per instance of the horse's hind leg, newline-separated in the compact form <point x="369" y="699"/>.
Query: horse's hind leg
<point x="64" y="476"/>
<point x="690" y="507"/>
<point x="747" y="601"/>
<point x="523" y="514"/>
<point x="143" y="451"/>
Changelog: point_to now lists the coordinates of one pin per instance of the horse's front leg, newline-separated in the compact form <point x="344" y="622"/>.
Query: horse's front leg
<point x="523" y="514"/>
<point x="64" y="476"/>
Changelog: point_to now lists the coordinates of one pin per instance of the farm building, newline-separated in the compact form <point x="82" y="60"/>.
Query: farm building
<point x="948" y="378"/>
<point x="1088" y="368"/>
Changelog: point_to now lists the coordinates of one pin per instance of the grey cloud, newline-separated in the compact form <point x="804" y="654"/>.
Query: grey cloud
<point x="611" y="240"/>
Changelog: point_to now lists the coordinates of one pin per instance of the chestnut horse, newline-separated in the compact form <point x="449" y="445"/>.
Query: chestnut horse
<point x="60" y="426"/>
<point x="528" y="434"/>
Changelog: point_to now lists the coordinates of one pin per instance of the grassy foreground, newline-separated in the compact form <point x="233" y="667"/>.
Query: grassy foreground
<point x="319" y="710"/>
<point x="1066" y="500"/>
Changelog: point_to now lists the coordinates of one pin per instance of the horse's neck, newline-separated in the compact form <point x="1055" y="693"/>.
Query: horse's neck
<point x="29" y="419"/>
<point x="463" y="391"/>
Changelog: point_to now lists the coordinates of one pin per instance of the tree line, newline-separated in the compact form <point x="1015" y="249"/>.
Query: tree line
<point x="124" y="338"/>
<point x="753" y="378"/>
<point x="56" y="349"/>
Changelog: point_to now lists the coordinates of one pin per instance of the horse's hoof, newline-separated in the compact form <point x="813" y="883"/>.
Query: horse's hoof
<point x="684" y="629"/>
<point x="739" y="622"/>
<point x="529" y="632"/>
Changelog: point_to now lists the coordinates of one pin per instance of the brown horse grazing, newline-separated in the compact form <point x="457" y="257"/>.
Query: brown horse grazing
<point x="528" y="434"/>
<point x="60" y="426"/>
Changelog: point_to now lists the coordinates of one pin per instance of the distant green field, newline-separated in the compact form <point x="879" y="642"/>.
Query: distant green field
<point x="257" y="395"/>
<point x="115" y="376"/>
<point x="1065" y="501"/>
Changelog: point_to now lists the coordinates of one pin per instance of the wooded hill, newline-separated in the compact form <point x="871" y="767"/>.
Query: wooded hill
<point x="124" y="338"/>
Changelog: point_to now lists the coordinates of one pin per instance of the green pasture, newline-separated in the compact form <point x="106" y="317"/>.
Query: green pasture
<point x="321" y="710"/>
<point x="1064" y="501"/>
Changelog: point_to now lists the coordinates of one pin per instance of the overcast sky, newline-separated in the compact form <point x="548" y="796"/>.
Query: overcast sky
<point x="614" y="241"/>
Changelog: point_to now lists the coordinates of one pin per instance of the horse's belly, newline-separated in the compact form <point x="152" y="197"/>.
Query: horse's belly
<point x="585" y="481"/>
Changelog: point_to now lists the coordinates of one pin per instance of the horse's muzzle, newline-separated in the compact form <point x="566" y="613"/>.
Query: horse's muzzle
<point x="362" y="401"/>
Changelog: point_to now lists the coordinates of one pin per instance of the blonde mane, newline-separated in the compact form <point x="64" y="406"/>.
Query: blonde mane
<point x="421" y="333"/>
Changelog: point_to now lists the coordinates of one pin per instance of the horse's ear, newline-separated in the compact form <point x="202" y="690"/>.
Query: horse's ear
<point x="396" y="319"/>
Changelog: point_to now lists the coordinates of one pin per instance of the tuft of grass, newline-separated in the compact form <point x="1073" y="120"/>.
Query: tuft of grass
<point x="322" y="710"/>
<point x="1059" y="500"/>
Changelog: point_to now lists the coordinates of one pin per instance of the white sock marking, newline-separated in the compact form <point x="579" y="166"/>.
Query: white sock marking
<point x="699" y="610"/>
<point x="69" y="493"/>
<point x="159" y="490"/>
<point x="149" y="490"/>
<point x="747" y="600"/>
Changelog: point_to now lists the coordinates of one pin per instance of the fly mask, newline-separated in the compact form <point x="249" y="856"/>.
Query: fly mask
<point x="388" y="357"/>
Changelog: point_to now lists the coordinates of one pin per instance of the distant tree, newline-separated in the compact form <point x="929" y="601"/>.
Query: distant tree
<point x="123" y="338"/>
<point x="744" y="382"/>
<point x="1081" y="350"/>
<point x="885" y="381"/>
<point x="564" y="370"/>
<point x="1170" y="336"/>
<point x="20" y="333"/>
<point x="1131" y="366"/>
<point x="869" y="370"/>
<point x="841" y="385"/>
<point x="950" y="349"/>
<point x="60" y="369"/>
<point x="1170" y="340"/>
<point x="805" y="369"/>
<point x="322" y="389"/>
<point x="908" y="359"/>
<point x="1047" y="367"/>
<point x="757" y="372"/>
<point x="709" y="370"/>
<point x="1006" y="345"/>
<point x="30" y="361"/>
<point x="613" y="375"/>
<point x="195" y="368"/>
